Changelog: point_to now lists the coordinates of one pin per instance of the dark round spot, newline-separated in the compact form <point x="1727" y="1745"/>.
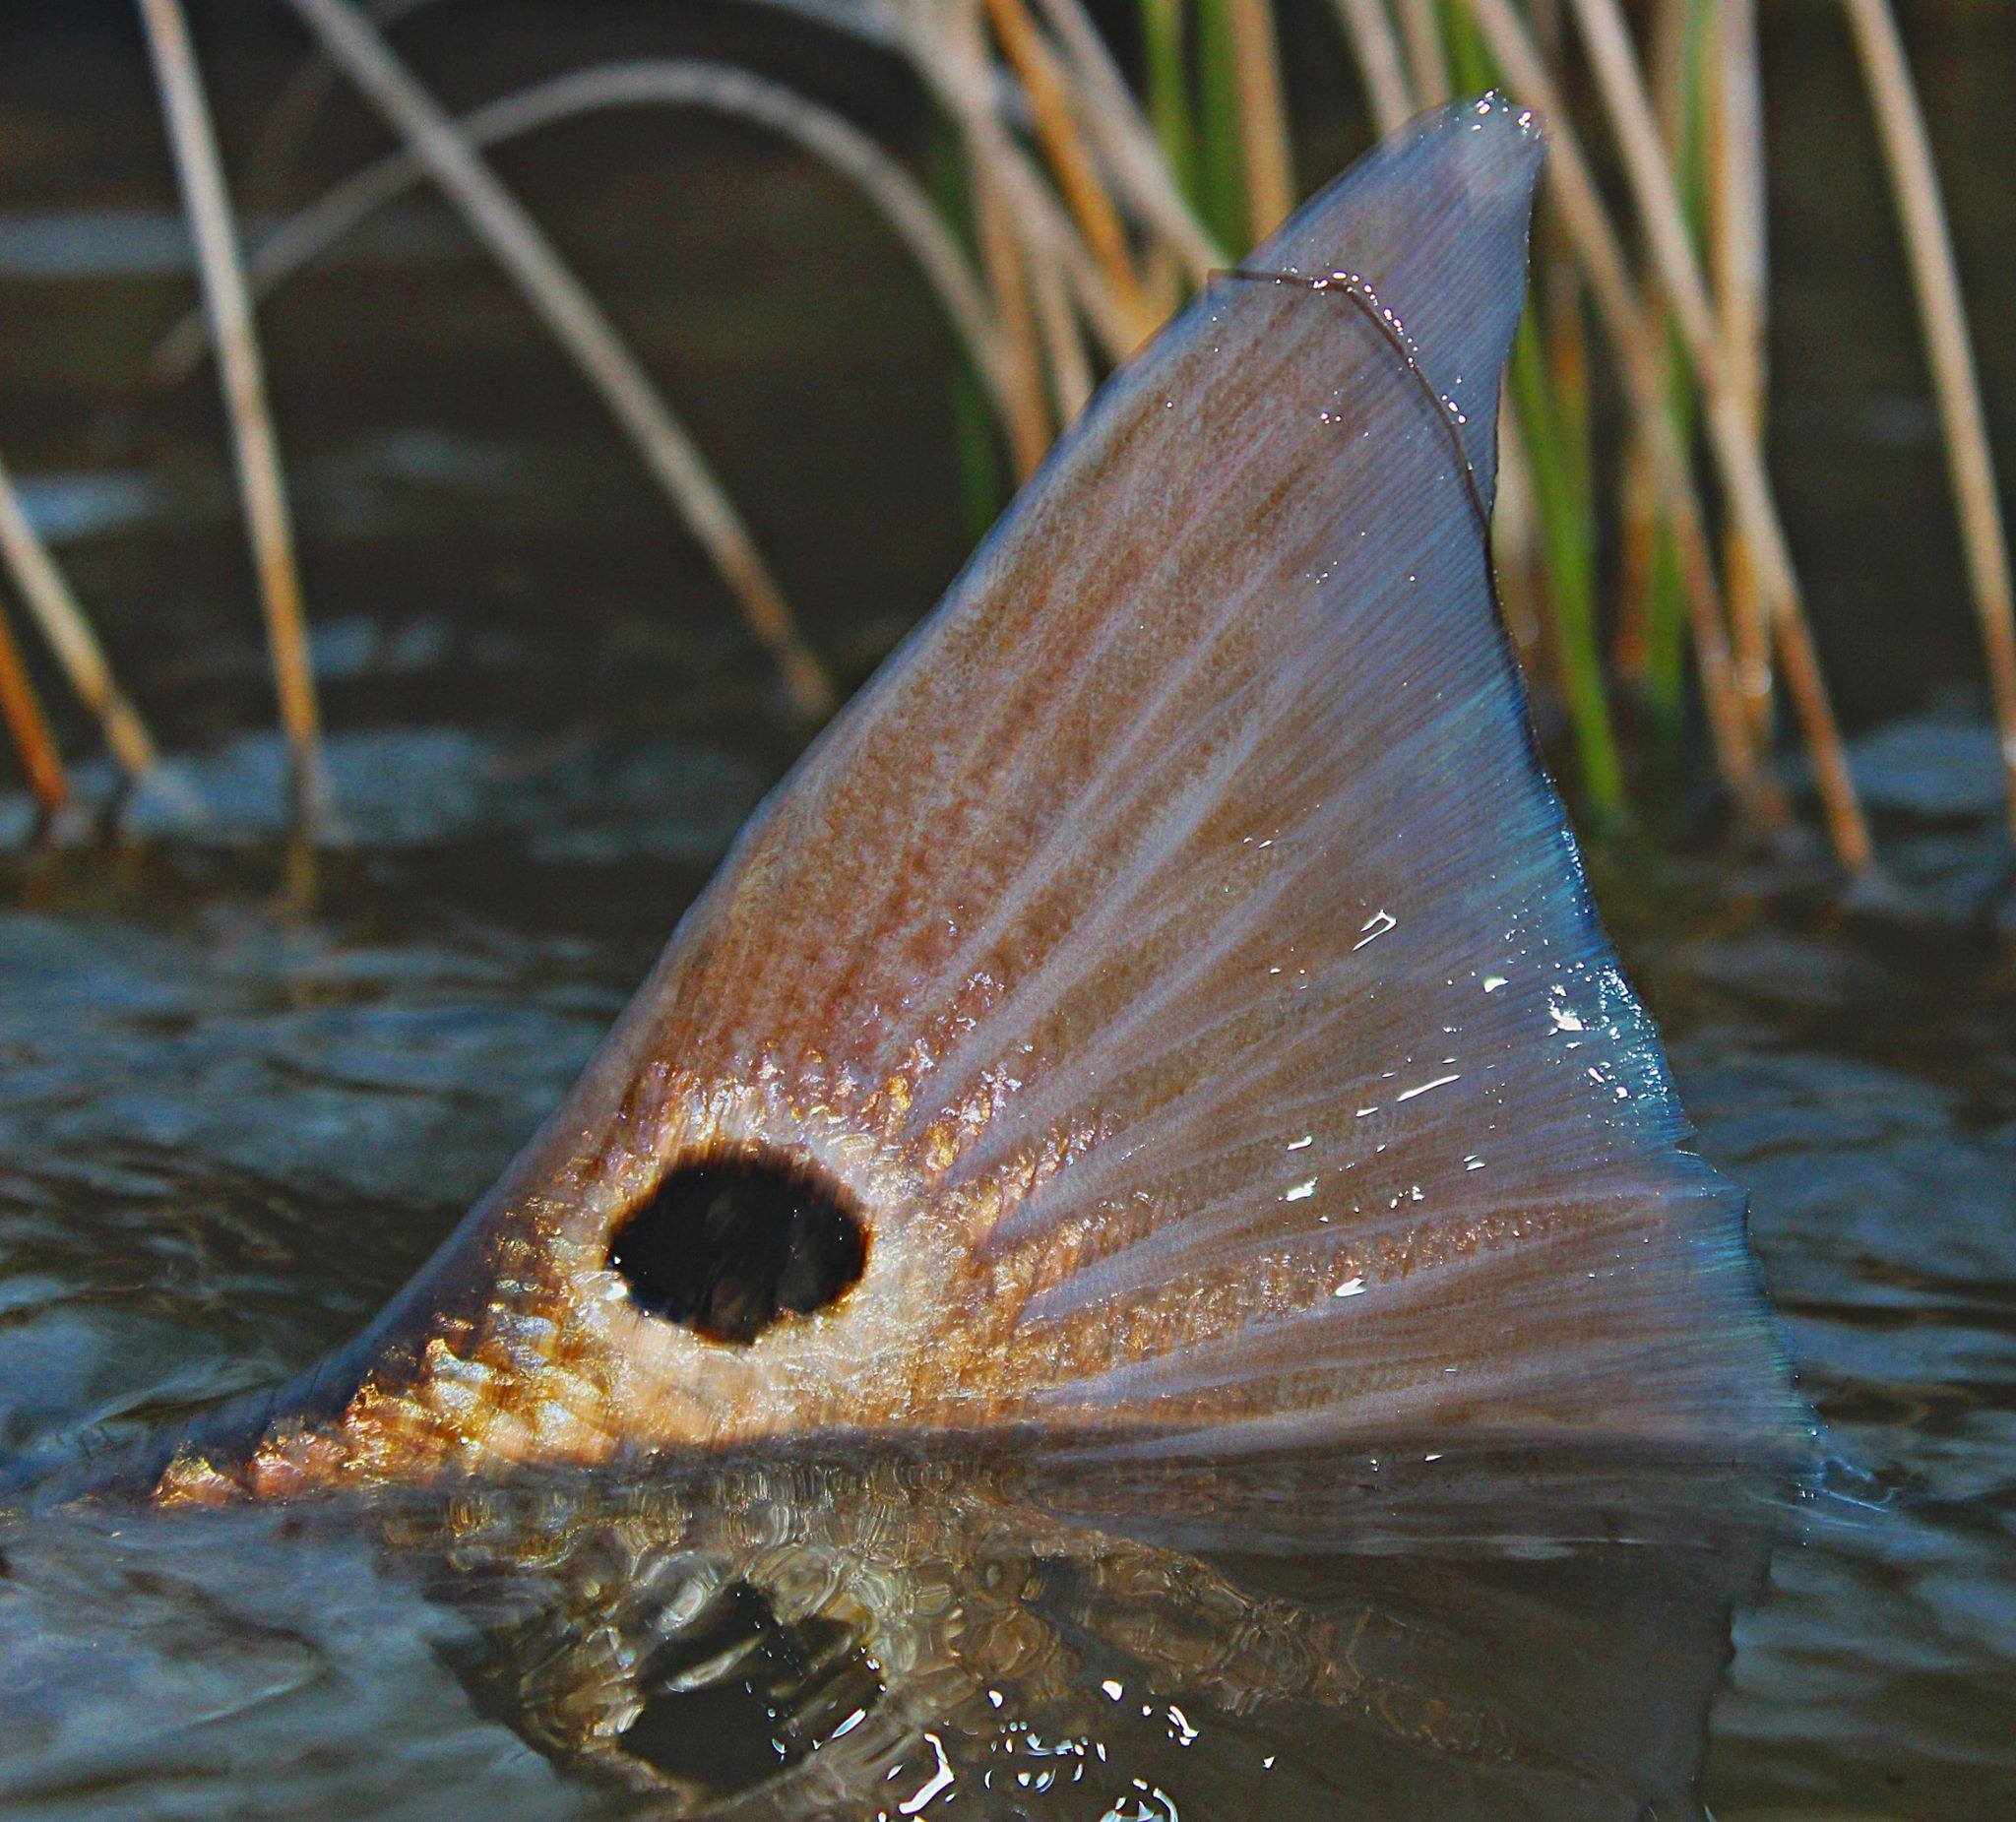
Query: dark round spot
<point x="729" y="1246"/>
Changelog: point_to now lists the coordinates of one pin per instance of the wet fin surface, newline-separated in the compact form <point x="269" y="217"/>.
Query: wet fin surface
<point x="1178" y="953"/>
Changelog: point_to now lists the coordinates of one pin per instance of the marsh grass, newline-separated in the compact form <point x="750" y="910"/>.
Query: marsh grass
<point x="63" y="624"/>
<point x="581" y="326"/>
<point x="28" y="729"/>
<point x="1928" y="246"/>
<point x="1081" y="187"/>
<point x="262" y="484"/>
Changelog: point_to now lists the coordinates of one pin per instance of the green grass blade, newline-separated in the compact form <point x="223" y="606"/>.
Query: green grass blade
<point x="1164" y="36"/>
<point x="1221" y="150"/>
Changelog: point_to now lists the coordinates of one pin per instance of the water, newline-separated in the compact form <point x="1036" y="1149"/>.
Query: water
<point x="233" y="1124"/>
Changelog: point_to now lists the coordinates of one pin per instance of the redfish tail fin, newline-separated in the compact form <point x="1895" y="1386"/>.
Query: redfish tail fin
<point x="1179" y="957"/>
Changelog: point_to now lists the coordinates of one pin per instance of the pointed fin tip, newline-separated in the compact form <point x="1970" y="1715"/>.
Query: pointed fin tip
<point x="1433" y="223"/>
<point x="1487" y="144"/>
<point x="1486" y="150"/>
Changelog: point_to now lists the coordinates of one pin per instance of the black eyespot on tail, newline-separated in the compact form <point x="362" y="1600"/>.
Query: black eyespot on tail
<point x="730" y="1246"/>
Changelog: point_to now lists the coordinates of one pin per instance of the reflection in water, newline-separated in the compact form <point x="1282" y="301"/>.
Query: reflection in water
<point x="1400" y="1634"/>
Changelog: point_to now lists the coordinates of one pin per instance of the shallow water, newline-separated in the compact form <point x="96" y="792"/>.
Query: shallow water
<point x="232" y="1123"/>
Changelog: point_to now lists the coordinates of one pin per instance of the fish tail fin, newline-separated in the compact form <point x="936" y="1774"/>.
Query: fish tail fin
<point x="1178" y="960"/>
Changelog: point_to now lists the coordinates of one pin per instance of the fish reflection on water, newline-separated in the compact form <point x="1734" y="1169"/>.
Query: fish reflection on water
<point x="1398" y="1633"/>
<point x="1138" y="1203"/>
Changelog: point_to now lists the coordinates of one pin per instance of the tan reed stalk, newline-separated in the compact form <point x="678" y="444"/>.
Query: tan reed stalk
<point x="1071" y="381"/>
<point x="1734" y="741"/>
<point x="1420" y="28"/>
<point x="309" y="85"/>
<point x="1621" y="84"/>
<point x="1369" y="30"/>
<point x="722" y="88"/>
<point x="1515" y="541"/>
<point x="947" y="48"/>
<point x="1600" y="253"/>
<point x="56" y="610"/>
<point x="1028" y="423"/>
<point x="1738" y="456"/>
<point x="261" y="485"/>
<point x="1737" y="743"/>
<point x="1056" y="129"/>
<point x="1646" y="629"/>
<point x="1942" y="311"/>
<point x="1269" y="153"/>
<point x="1049" y="234"/>
<point x="1628" y="107"/>
<point x="949" y="43"/>
<point x="578" y="322"/>
<point x="1740" y="266"/>
<point x="1111" y="114"/>
<point x="22" y="709"/>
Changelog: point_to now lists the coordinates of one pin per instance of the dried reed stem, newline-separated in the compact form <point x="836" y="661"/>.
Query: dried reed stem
<point x="301" y="98"/>
<point x="1113" y="116"/>
<point x="22" y="709"/>
<point x="1944" y="314"/>
<point x="578" y="322"/>
<point x="1378" y="50"/>
<point x="1735" y="741"/>
<point x="1741" y="262"/>
<point x="1071" y="381"/>
<point x="262" y="486"/>
<point x="872" y="20"/>
<point x="1650" y="636"/>
<point x="722" y="88"/>
<point x="950" y="45"/>
<point x="947" y="49"/>
<point x="1056" y="129"/>
<point x="57" y="613"/>
<point x="1268" y="155"/>
<point x="1028" y="423"/>
<point x="1426" y="55"/>
<point x="1737" y="452"/>
<point x="1165" y="26"/>
<point x="1600" y="252"/>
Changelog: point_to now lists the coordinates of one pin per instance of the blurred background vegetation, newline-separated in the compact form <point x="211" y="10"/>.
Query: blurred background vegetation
<point x="629" y="361"/>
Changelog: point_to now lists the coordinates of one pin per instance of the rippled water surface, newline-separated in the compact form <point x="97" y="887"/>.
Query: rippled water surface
<point x="233" y="1114"/>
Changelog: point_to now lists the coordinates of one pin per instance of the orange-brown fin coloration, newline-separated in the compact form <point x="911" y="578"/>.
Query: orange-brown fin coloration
<point x="1165" y="1006"/>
